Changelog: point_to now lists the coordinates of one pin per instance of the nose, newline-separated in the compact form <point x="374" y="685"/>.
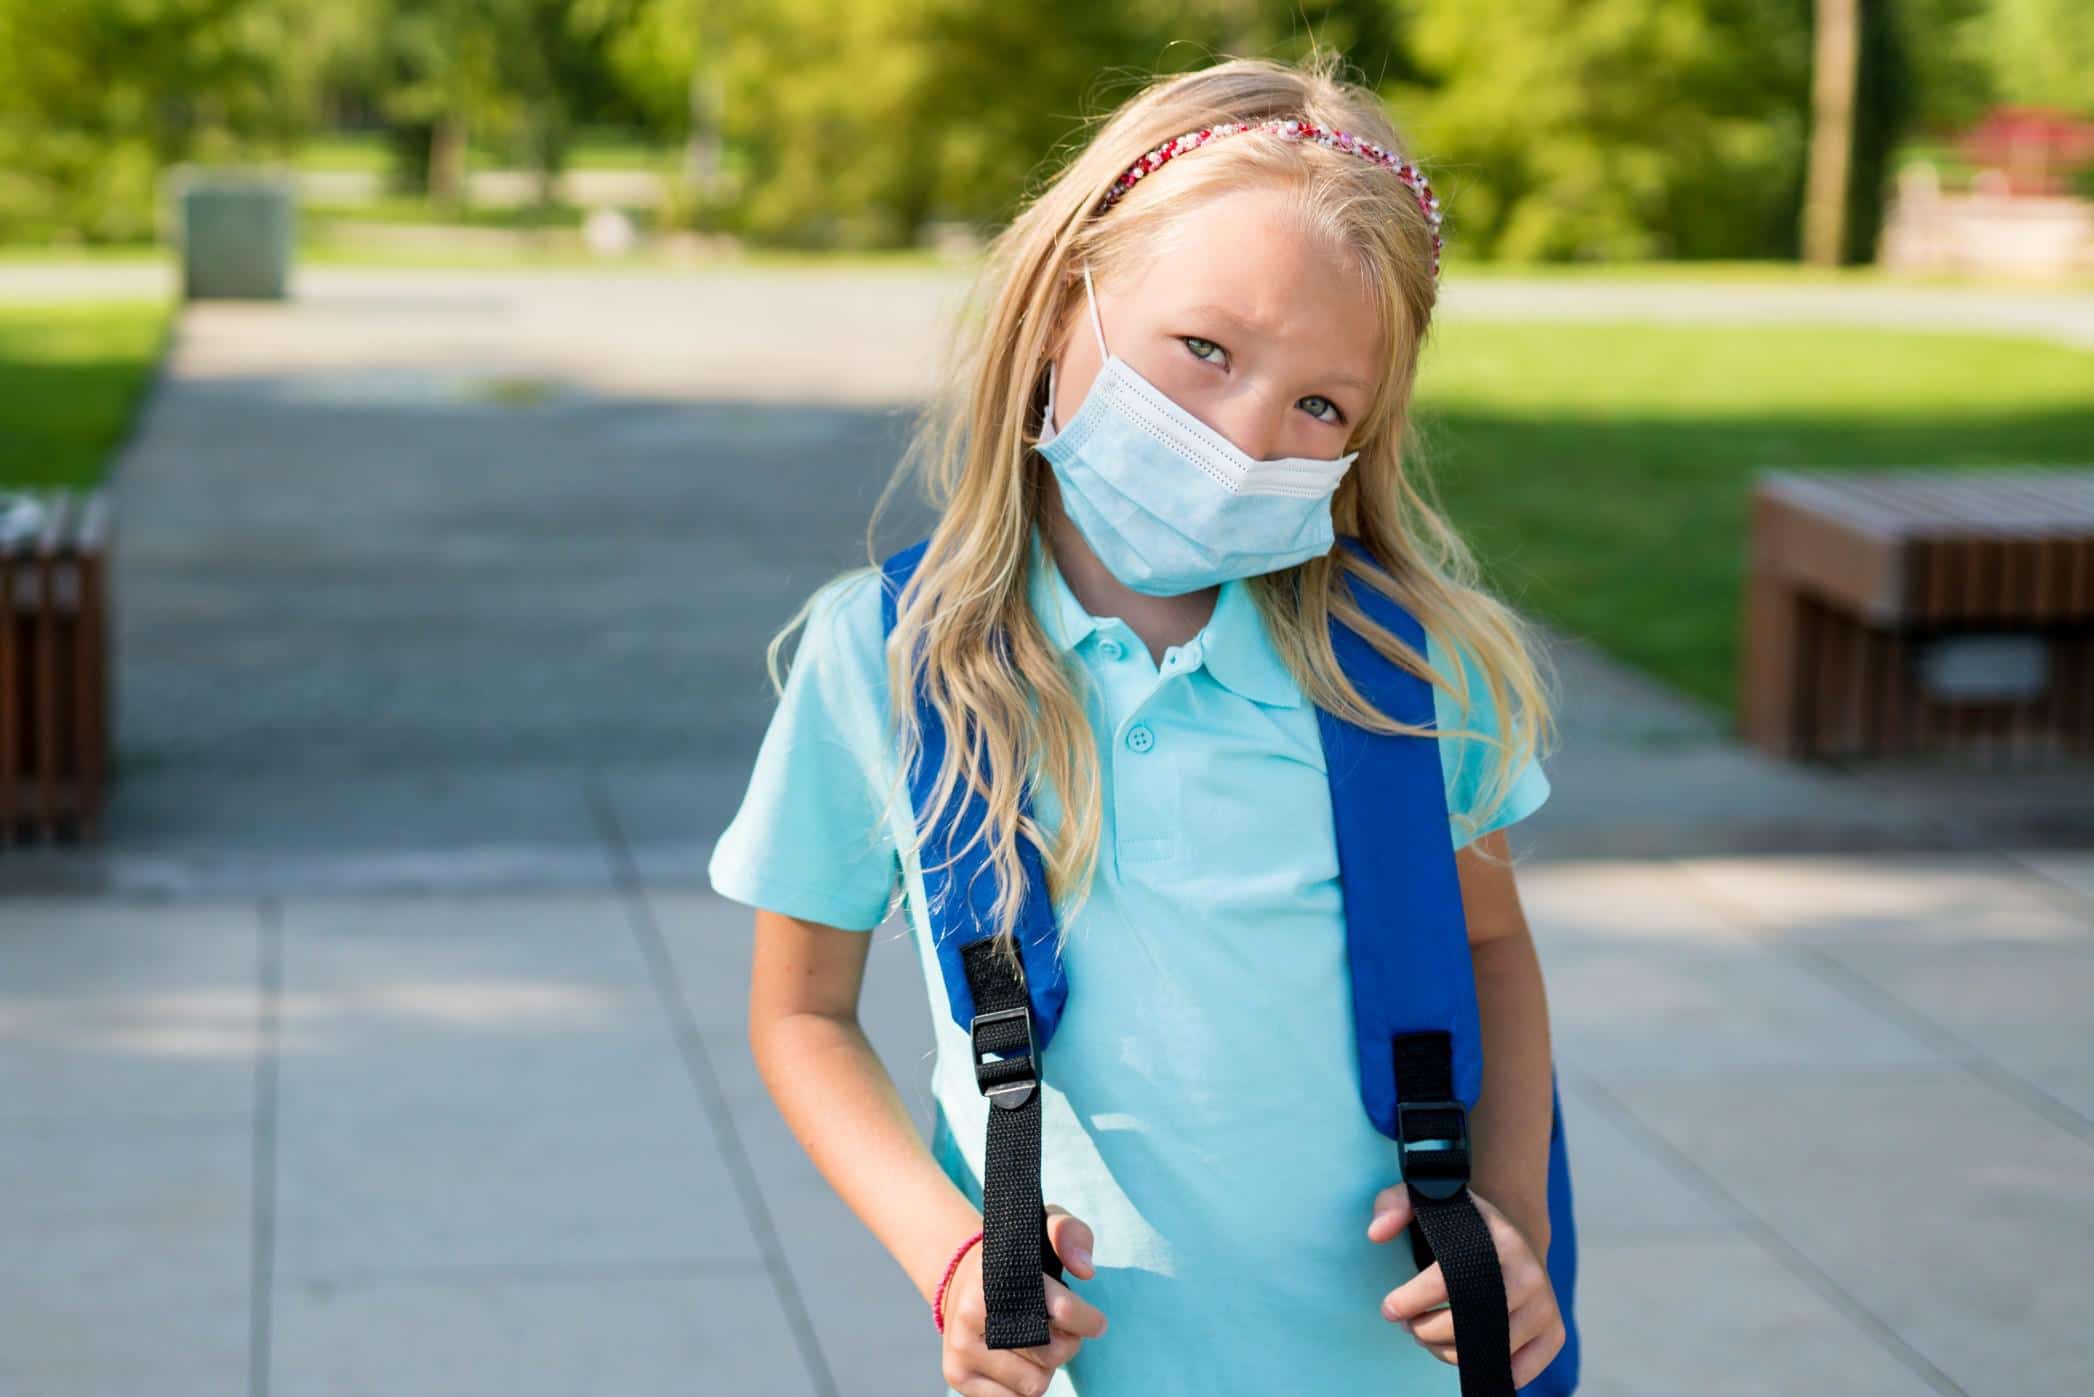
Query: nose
<point x="1253" y="422"/>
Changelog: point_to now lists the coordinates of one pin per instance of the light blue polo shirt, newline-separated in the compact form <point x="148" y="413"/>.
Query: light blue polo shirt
<point x="1201" y="1106"/>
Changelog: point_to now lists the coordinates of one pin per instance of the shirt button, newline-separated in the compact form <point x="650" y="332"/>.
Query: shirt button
<point x="1140" y="738"/>
<point x="1110" y="648"/>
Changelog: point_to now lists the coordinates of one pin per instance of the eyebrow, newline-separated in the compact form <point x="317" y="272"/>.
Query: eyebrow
<point x="1224" y="313"/>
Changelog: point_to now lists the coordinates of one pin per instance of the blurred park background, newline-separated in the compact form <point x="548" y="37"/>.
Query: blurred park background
<point x="378" y="1032"/>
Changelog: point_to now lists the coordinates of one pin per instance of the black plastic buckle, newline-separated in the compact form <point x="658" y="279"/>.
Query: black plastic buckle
<point x="1008" y="1081"/>
<point x="1433" y="1162"/>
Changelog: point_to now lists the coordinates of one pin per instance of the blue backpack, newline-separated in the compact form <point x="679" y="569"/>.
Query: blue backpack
<point x="1414" y="1006"/>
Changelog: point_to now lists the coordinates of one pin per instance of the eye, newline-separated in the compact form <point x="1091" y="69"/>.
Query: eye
<point x="1206" y="351"/>
<point x="1322" y="409"/>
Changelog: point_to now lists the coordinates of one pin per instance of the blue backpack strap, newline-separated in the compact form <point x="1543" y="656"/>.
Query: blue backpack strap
<point x="1406" y="936"/>
<point x="1008" y="1018"/>
<point x="968" y="880"/>
<point x="1415" y="1021"/>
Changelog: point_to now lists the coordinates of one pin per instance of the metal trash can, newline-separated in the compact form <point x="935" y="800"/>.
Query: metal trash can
<point x="236" y="229"/>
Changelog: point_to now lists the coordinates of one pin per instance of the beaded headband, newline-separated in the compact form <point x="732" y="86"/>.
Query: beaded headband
<point x="1412" y="177"/>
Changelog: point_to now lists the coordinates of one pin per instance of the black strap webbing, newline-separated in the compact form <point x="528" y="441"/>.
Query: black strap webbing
<point x="1433" y="1140"/>
<point x="1016" y="1255"/>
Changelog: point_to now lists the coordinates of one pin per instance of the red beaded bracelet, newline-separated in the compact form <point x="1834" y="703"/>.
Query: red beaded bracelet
<point x="938" y="1305"/>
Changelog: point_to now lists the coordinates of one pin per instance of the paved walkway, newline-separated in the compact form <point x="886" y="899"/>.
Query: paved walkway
<point x="394" y="1044"/>
<point x="1832" y="1121"/>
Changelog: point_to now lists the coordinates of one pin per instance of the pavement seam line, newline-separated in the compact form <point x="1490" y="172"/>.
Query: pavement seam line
<point x="269" y="979"/>
<point x="690" y="1042"/>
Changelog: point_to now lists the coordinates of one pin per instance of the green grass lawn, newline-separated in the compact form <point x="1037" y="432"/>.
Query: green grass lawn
<point x="70" y="379"/>
<point x="1603" y="472"/>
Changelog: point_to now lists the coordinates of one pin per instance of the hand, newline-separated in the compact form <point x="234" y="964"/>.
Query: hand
<point x="1530" y="1299"/>
<point x="974" y="1369"/>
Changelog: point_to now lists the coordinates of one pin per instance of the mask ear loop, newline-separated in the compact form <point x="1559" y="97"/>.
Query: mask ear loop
<point x="1090" y="297"/>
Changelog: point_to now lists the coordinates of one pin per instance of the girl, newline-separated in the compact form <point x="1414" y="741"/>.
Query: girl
<point x="1150" y="653"/>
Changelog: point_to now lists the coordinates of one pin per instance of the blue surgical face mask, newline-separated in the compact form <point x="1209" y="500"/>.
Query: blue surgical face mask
<point x="1167" y="503"/>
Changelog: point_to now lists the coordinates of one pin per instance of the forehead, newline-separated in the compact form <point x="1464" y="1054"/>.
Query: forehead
<point x="1249" y="256"/>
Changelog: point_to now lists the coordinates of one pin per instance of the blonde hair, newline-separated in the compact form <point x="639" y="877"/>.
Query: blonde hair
<point x="1010" y="708"/>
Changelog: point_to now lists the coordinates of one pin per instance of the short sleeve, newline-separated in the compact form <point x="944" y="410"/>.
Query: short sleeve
<point x="810" y="839"/>
<point x="1467" y="762"/>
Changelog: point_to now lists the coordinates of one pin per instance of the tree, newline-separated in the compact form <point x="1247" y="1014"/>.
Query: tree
<point x="2043" y="52"/>
<point x="513" y="72"/>
<point x="1586" y="129"/>
<point x="99" y="97"/>
<point x="1835" y="62"/>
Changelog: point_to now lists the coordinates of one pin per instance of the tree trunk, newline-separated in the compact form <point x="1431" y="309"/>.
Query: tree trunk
<point x="1835" y="53"/>
<point x="701" y="148"/>
<point x="447" y="161"/>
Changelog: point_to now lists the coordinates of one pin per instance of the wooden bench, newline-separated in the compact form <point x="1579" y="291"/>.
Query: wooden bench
<point x="54" y="672"/>
<point x="1921" y="610"/>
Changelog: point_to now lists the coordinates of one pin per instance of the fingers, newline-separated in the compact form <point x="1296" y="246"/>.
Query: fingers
<point x="1416" y="1295"/>
<point x="1068" y="1310"/>
<point x="1537" y="1331"/>
<point x="1024" y="1372"/>
<point x="1390" y="1214"/>
<point x="1010" y="1368"/>
<point x="1060" y="1347"/>
<point x="1072" y="1240"/>
<point x="993" y="1372"/>
<point x="1529" y="1358"/>
<point x="1070" y="1320"/>
<point x="1527" y="1291"/>
<point x="984" y="1387"/>
<point x="1534" y="1324"/>
<point x="1522" y="1270"/>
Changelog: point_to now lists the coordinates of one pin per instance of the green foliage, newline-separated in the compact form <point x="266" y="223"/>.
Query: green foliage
<point x="98" y="97"/>
<point x="652" y="48"/>
<point x="1573" y="129"/>
<point x="2043" y="52"/>
<point x="1949" y="58"/>
<point x="1559" y="129"/>
<point x="512" y="70"/>
<point x="891" y="113"/>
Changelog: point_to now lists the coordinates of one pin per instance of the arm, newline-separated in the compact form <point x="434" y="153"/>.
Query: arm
<point x="1509" y="1125"/>
<point x="839" y="1100"/>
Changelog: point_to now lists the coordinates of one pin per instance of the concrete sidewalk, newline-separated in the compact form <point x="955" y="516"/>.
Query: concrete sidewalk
<point x="1832" y="1122"/>
<point x="392" y="1043"/>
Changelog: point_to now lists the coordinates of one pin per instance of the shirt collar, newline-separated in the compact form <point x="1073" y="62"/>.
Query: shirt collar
<point x="1233" y="644"/>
